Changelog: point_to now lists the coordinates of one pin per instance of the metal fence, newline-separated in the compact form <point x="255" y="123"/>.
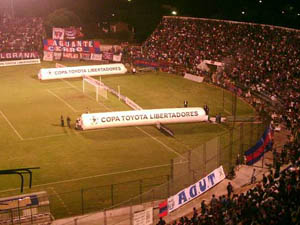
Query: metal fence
<point x="118" y="208"/>
<point x="119" y="201"/>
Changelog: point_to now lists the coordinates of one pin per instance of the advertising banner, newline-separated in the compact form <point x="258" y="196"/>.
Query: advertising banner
<point x="117" y="58"/>
<point x="75" y="46"/>
<point x="195" y="190"/>
<point x="150" y="63"/>
<point x="192" y="77"/>
<point x="68" y="55"/>
<point x="79" y="71"/>
<point x="142" y="117"/>
<point x="20" y="62"/>
<point x="96" y="57"/>
<point x="132" y="104"/>
<point x="85" y="56"/>
<point x="108" y="56"/>
<point x="57" y="55"/>
<point x="19" y="55"/>
<point x="144" y="217"/>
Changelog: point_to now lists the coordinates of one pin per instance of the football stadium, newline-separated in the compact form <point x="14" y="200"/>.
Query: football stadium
<point x="194" y="123"/>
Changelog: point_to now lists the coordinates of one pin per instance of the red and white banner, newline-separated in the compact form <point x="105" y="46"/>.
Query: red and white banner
<point x="48" y="56"/>
<point x="68" y="55"/>
<point x="58" y="33"/>
<point x="19" y="55"/>
<point x="70" y="33"/>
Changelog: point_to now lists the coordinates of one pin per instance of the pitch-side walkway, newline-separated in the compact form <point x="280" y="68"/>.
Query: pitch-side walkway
<point x="240" y="183"/>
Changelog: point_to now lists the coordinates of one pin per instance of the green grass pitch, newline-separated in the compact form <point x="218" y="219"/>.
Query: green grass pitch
<point x="70" y="160"/>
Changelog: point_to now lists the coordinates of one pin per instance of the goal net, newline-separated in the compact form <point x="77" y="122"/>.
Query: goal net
<point x="91" y="86"/>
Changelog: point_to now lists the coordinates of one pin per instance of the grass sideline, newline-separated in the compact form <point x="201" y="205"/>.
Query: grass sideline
<point x="72" y="160"/>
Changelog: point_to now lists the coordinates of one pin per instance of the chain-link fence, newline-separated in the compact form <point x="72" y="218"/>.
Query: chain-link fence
<point x="184" y="171"/>
<point x="119" y="201"/>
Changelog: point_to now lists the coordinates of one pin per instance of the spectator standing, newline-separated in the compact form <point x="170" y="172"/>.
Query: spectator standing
<point x="229" y="189"/>
<point x="62" y="121"/>
<point x="69" y="122"/>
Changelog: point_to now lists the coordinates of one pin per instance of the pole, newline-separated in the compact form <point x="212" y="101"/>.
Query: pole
<point x="112" y="194"/>
<point x="12" y="8"/>
<point x="82" y="203"/>
<point x="141" y="191"/>
<point x="19" y="215"/>
<point x="83" y="84"/>
<point x="223" y="99"/>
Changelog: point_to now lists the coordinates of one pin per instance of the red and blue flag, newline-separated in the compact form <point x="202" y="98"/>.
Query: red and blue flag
<point x="258" y="150"/>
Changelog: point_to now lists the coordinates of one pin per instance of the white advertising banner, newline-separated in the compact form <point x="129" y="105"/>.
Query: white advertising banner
<point x="215" y="63"/>
<point x="20" y="62"/>
<point x="96" y="57"/>
<point x="193" y="77"/>
<point x="144" y="217"/>
<point x="117" y="58"/>
<point x="79" y="71"/>
<point x="142" y="117"/>
<point x="195" y="190"/>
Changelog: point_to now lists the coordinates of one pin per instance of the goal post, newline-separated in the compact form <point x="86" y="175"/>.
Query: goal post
<point x="97" y="87"/>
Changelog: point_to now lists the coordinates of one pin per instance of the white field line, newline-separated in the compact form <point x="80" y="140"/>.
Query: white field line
<point x="109" y="109"/>
<point x="61" y="200"/>
<point x="225" y="110"/>
<point x="90" y="177"/>
<point x="160" y="142"/>
<point x="47" y="136"/>
<point x="59" y="98"/>
<point x="60" y="88"/>
<point x="10" y="124"/>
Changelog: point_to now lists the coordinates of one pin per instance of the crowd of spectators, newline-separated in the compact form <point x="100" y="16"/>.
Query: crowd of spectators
<point x="275" y="201"/>
<point x="21" y="34"/>
<point x="261" y="60"/>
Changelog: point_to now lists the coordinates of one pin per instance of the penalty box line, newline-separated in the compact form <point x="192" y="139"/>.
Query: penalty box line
<point x="109" y="109"/>
<point x="63" y="101"/>
<point x="12" y="127"/>
<point x="76" y="88"/>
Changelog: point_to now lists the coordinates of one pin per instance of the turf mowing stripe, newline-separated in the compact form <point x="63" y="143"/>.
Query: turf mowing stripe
<point x="59" y="98"/>
<point x="160" y="142"/>
<point x="10" y="124"/>
<point x="89" y="177"/>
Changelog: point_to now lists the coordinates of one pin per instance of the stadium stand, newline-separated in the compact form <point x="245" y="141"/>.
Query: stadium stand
<point x="21" y="34"/>
<point x="262" y="63"/>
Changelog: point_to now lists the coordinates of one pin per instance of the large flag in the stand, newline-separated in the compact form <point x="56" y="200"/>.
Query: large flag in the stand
<point x="163" y="209"/>
<point x="58" y="33"/>
<point x="258" y="150"/>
